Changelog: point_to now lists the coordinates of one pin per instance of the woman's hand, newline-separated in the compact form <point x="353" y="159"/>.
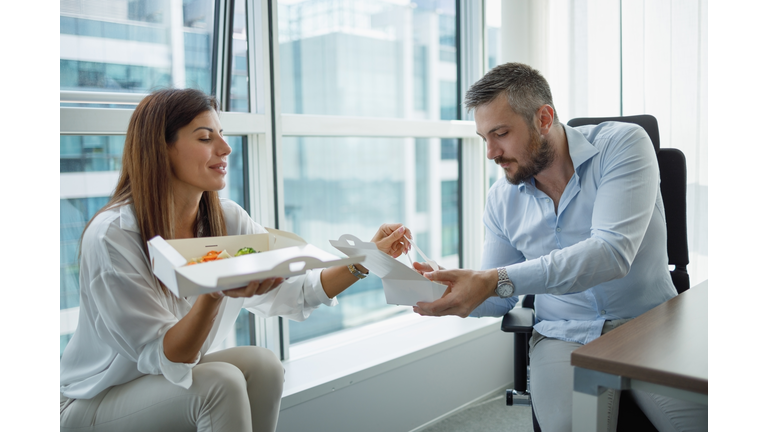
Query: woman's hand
<point x="257" y="287"/>
<point x="392" y="239"/>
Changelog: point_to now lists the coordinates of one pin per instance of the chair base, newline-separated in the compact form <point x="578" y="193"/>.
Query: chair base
<point x="516" y="398"/>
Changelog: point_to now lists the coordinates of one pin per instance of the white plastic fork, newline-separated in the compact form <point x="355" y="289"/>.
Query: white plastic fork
<point x="431" y="262"/>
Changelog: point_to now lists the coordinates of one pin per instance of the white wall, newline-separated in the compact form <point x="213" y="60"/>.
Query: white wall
<point x="421" y="390"/>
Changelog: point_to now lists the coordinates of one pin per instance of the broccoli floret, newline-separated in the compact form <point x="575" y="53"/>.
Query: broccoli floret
<point x="245" y="251"/>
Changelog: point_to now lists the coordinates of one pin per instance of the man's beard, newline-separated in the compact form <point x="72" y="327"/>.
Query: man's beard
<point x="540" y="153"/>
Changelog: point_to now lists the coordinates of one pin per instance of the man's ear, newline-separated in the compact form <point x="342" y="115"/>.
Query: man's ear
<point x="545" y="116"/>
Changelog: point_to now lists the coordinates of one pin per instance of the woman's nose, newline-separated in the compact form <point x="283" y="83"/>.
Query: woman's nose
<point x="224" y="148"/>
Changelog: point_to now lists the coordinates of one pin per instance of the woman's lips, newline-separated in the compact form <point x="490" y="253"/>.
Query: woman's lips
<point x="221" y="167"/>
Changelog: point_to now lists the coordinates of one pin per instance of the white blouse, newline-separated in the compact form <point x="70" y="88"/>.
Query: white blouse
<point x="124" y="313"/>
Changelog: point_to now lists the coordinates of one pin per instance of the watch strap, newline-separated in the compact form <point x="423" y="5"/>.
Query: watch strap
<point x="503" y="277"/>
<point x="504" y="288"/>
<point x="357" y="273"/>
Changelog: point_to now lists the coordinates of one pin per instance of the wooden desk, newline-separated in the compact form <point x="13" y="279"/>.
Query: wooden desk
<point x="663" y="351"/>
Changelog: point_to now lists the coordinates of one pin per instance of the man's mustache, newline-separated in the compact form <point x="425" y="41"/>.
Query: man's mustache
<point x="500" y="160"/>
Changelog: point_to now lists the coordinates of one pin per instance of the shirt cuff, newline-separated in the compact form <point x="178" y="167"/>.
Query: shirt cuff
<point x="529" y="277"/>
<point x="314" y="293"/>
<point x="156" y="363"/>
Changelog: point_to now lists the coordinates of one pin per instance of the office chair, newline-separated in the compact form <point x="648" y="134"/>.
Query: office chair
<point x="672" y="170"/>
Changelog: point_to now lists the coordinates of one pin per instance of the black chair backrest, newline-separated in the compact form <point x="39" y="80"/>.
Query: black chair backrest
<point x="648" y="122"/>
<point x="674" y="181"/>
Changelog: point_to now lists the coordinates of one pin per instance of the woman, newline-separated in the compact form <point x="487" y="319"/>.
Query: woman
<point x="138" y="359"/>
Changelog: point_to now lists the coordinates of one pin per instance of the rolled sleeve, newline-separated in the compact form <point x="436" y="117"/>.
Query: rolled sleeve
<point x="153" y="361"/>
<point x="314" y="291"/>
<point x="295" y="298"/>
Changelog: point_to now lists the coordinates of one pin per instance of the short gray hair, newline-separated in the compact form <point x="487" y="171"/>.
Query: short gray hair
<point x="525" y="87"/>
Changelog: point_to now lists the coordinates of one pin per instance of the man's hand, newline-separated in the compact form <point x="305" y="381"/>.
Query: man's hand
<point x="424" y="267"/>
<point x="466" y="290"/>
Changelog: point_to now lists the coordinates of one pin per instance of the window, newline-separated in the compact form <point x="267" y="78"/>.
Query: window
<point x="370" y="58"/>
<point x="136" y="46"/>
<point x="376" y="59"/>
<point x="367" y="87"/>
<point x="362" y="191"/>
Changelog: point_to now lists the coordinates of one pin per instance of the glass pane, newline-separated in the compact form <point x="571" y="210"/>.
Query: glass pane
<point x="369" y="58"/>
<point x="493" y="32"/>
<point x="238" y="88"/>
<point x="494" y="172"/>
<point x="89" y="171"/>
<point x="136" y="46"/>
<point x="363" y="191"/>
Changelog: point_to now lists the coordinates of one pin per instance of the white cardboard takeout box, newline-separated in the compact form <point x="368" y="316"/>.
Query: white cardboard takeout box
<point x="281" y="254"/>
<point x="402" y="284"/>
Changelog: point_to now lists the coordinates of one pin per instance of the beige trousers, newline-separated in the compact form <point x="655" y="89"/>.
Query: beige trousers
<point x="552" y="392"/>
<point x="237" y="390"/>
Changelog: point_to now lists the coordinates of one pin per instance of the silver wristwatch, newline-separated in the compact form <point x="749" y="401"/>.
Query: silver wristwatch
<point x="505" y="288"/>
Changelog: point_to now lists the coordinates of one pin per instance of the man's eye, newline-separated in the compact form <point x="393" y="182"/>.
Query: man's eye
<point x="501" y="134"/>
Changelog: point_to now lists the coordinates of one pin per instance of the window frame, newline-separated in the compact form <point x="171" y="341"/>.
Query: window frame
<point x="265" y="125"/>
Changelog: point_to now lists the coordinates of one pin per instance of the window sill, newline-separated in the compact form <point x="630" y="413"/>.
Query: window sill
<point x="328" y="364"/>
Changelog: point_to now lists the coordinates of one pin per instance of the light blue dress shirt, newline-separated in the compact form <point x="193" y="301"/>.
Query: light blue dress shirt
<point x="603" y="255"/>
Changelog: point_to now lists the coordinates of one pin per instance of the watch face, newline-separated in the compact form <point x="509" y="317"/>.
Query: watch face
<point x="505" y="289"/>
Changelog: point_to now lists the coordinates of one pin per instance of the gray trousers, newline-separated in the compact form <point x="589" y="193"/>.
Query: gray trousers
<point x="552" y="392"/>
<point x="237" y="389"/>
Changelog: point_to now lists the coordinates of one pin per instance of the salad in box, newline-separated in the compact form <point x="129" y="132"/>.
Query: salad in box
<point x="202" y="265"/>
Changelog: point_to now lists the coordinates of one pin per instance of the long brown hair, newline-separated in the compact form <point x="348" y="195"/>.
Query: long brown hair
<point x="145" y="178"/>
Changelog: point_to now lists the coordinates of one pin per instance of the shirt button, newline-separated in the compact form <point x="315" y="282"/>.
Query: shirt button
<point x="558" y="229"/>
<point x="602" y="312"/>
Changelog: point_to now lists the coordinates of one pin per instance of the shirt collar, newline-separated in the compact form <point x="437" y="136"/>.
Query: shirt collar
<point x="580" y="149"/>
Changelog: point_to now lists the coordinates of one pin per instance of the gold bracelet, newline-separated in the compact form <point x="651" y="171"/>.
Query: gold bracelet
<point x="357" y="273"/>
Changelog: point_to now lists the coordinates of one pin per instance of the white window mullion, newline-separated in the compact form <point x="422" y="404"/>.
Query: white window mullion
<point x="473" y="162"/>
<point x="275" y="330"/>
<point x="235" y="123"/>
<point x="94" y="121"/>
<point x="258" y="74"/>
<point x="114" y="121"/>
<point x="221" y="50"/>
<point x="340" y="126"/>
<point x="474" y="190"/>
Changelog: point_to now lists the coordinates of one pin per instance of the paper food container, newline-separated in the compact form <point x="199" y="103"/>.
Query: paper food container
<point x="402" y="284"/>
<point x="280" y="254"/>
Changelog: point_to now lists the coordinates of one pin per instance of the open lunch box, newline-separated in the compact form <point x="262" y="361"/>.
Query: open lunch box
<point x="278" y="254"/>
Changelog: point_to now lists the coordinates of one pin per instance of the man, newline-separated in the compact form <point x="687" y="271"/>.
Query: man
<point x="579" y="222"/>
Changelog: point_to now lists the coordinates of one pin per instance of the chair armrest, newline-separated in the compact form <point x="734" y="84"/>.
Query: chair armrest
<point x="518" y="320"/>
